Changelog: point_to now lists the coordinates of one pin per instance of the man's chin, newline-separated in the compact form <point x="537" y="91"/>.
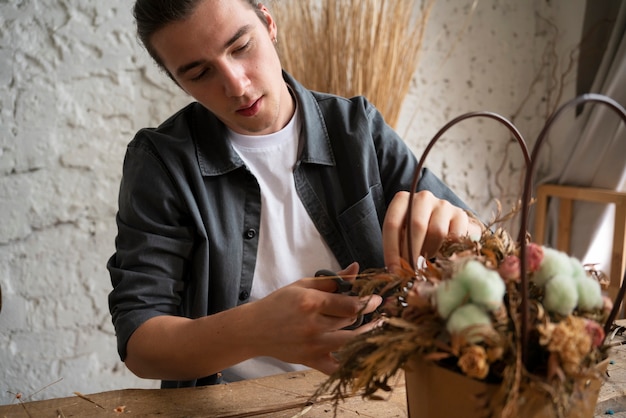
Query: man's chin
<point x="254" y="128"/>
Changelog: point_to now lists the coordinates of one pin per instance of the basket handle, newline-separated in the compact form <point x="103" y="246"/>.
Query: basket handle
<point x="582" y="99"/>
<point x="420" y="165"/>
<point x="530" y="161"/>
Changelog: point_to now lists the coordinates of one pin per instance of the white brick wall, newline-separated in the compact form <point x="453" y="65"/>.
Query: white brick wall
<point x="75" y="86"/>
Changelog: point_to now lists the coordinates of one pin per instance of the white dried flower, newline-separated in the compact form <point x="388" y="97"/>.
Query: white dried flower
<point x="561" y="294"/>
<point x="485" y="286"/>
<point x="450" y="294"/>
<point x="554" y="262"/>
<point x="470" y="320"/>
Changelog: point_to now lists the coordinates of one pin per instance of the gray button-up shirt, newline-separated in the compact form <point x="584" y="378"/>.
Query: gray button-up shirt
<point x="189" y="210"/>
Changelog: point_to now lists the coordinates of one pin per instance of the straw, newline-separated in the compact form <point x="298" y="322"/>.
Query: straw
<point x="354" y="47"/>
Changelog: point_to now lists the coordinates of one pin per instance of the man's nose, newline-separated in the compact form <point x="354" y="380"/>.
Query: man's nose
<point x="235" y="80"/>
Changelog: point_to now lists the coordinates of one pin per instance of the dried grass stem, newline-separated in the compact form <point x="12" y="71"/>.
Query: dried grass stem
<point x="354" y="47"/>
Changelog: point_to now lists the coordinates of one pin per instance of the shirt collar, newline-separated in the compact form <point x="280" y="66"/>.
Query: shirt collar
<point x="316" y="142"/>
<point x="216" y="156"/>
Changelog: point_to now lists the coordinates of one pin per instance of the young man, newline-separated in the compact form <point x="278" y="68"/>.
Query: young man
<point x="229" y="202"/>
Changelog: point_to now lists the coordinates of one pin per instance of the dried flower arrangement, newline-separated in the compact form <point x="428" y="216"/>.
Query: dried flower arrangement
<point x="527" y="320"/>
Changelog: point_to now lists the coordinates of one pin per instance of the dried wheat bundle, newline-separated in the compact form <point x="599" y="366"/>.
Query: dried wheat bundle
<point x="353" y="47"/>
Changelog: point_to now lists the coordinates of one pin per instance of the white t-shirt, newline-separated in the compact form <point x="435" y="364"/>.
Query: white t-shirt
<point x="290" y="246"/>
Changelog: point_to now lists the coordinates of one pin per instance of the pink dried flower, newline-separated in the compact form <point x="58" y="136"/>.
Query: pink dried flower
<point x="595" y="331"/>
<point x="534" y="257"/>
<point x="510" y="269"/>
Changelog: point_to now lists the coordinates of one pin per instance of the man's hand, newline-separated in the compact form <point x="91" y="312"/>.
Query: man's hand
<point x="309" y="321"/>
<point x="300" y="323"/>
<point x="432" y="220"/>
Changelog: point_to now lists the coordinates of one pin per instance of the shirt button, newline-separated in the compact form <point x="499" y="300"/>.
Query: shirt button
<point x="250" y="233"/>
<point x="244" y="295"/>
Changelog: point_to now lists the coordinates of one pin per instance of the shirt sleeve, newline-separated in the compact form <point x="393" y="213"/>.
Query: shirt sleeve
<point x="152" y="246"/>
<point x="398" y="164"/>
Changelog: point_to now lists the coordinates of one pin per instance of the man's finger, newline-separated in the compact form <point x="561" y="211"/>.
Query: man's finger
<point x="393" y="231"/>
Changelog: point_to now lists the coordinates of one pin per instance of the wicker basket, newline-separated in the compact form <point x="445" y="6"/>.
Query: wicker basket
<point x="429" y="388"/>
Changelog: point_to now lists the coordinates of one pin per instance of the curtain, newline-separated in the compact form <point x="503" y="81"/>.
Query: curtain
<point x="592" y="148"/>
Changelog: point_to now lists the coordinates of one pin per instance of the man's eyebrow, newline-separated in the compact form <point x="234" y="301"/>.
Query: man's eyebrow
<point x="242" y="31"/>
<point x="186" y="67"/>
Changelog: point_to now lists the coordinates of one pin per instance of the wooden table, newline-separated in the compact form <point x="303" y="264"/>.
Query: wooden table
<point x="612" y="396"/>
<point x="283" y="396"/>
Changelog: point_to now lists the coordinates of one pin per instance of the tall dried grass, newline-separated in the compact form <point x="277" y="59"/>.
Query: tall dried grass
<point x="353" y="47"/>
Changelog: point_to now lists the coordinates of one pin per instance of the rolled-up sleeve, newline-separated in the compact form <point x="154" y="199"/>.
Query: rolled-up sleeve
<point x="153" y="246"/>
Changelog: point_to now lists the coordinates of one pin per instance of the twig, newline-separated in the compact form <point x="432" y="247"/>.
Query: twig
<point x="19" y="396"/>
<point x="45" y="387"/>
<point x="80" y="395"/>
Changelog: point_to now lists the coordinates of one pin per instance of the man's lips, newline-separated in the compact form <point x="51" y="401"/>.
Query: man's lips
<point x="251" y="110"/>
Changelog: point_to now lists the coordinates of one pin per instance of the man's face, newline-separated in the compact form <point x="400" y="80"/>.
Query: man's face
<point x="223" y="56"/>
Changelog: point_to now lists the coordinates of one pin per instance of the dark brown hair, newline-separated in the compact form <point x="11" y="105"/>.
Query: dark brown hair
<point x="153" y="15"/>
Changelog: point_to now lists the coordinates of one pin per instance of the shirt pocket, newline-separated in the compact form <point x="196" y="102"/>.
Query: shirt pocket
<point x="361" y="226"/>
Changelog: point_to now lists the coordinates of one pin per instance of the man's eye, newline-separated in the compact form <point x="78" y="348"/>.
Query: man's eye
<point x="243" y="47"/>
<point x="199" y="76"/>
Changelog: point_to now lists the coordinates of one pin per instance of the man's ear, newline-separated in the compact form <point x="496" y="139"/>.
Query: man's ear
<point x="269" y="21"/>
